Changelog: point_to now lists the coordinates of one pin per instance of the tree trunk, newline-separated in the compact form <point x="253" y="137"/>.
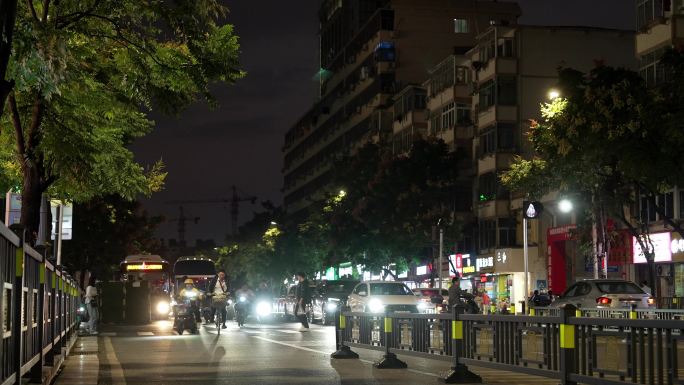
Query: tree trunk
<point x="31" y="194"/>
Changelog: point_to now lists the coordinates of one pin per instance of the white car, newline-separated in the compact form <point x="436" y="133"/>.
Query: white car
<point x="605" y="294"/>
<point x="381" y="297"/>
<point x="426" y="295"/>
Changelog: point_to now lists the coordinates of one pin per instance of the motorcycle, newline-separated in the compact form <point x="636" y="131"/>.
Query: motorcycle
<point x="82" y="314"/>
<point x="184" y="315"/>
<point x="241" y="310"/>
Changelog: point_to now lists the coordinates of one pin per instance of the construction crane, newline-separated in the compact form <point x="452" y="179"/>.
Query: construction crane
<point x="234" y="202"/>
<point x="181" y="225"/>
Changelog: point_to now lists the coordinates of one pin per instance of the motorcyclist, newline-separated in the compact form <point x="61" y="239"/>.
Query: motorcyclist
<point x="193" y="295"/>
<point x="246" y="292"/>
<point x="243" y="297"/>
<point x="218" y="288"/>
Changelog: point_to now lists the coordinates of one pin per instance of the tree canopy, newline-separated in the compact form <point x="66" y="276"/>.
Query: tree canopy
<point x="84" y="77"/>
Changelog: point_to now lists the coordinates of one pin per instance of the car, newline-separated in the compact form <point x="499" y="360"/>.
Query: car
<point x="284" y="306"/>
<point x="605" y="294"/>
<point x="428" y="296"/>
<point x="383" y="296"/>
<point x="328" y="297"/>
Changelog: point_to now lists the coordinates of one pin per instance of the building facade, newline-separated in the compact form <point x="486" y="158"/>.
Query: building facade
<point x="370" y="50"/>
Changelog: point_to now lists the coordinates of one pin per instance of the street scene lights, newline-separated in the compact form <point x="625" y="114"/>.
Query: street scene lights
<point x="565" y="206"/>
<point x="553" y="94"/>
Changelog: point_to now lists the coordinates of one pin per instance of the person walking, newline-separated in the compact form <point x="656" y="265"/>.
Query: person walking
<point x="303" y="298"/>
<point x="92" y="306"/>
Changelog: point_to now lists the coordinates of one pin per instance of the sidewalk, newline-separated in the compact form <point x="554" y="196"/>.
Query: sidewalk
<point x="82" y="366"/>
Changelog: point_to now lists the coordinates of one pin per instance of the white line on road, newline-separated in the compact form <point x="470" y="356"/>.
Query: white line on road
<point x="145" y="333"/>
<point x="328" y="353"/>
<point x="115" y="369"/>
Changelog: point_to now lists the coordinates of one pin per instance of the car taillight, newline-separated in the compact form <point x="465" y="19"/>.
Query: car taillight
<point x="651" y="301"/>
<point x="603" y="301"/>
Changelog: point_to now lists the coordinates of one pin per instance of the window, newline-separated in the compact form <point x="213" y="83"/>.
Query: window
<point x="461" y="75"/>
<point x="666" y="203"/>
<point x="360" y="289"/>
<point x="487" y="51"/>
<point x="507" y="91"/>
<point x="487" y="187"/>
<point x="462" y="114"/>
<point x="650" y="10"/>
<point x="651" y="69"/>
<point x="648" y="212"/>
<point x="435" y="123"/>
<point x="448" y="116"/>
<point x="507" y="232"/>
<point x="504" y="48"/>
<point x="487" y="234"/>
<point x="461" y="26"/>
<point x="505" y="136"/>
<point x="619" y="288"/>
<point x="681" y="204"/>
<point x="488" y="142"/>
<point x="487" y="95"/>
<point x="389" y="289"/>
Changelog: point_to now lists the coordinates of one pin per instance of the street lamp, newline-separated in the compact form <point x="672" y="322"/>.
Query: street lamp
<point x="274" y="223"/>
<point x="565" y="206"/>
<point x="553" y="94"/>
<point x="342" y="194"/>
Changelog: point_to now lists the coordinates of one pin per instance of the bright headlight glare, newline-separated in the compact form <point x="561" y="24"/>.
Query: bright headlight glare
<point x="331" y="306"/>
<point x="243" y="299"/>
<point x="375" y="306"/>
<point x="263" y="308"/>
<point x="422" y="305"/>
<point x="190" y="294"/>
<point x="163" y="307"/>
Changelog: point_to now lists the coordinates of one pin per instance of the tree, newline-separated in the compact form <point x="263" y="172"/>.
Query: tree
<point x="393" y="203"/>
<point x="85" y="75"/>
<point x="609" y="140"/>
<point x="8" y="13"/>
<point x="105" y="232"/>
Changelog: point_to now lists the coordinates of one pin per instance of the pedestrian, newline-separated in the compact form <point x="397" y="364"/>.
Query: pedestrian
<point x="552" y="298"/>
<point x="645" y="287"/>
<point x="534" y="300"/>
<point x="91" y="302"/>
<point x="486" y="302"/>
<point x="303" y="298"/>
<point x="455" y="291"/>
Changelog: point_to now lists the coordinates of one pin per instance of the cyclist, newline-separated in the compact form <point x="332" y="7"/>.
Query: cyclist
<point x="218" y="288"/>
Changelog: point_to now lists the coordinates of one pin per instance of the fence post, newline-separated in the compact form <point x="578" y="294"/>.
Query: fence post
<point x="37" y="370"/>
<point x="567" y="344"/>
<point x="343" y="351"/>
<point x="18" y="322"/>
<point x="459" y="374"/>
<point x="389" y="360"/>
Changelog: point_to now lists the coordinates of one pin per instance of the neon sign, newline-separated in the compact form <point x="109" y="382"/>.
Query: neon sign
<point x="143" y="267"/>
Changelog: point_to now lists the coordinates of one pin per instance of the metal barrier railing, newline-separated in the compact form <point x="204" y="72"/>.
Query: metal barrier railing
<point x="564" y="346"/>
<point x="37" y="311"/>
<point x="658" y="314"/>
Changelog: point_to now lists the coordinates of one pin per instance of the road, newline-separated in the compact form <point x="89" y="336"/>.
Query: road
<point x="257" y="354"/>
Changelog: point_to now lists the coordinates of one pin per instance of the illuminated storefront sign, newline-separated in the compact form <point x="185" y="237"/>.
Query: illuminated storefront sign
<point x="421" y="270"/>
<point x="484" y="263"/>
<point x="659" y="243"/>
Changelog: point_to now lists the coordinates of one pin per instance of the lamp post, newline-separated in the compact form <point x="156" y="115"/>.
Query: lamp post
<point x="441" y="253"/>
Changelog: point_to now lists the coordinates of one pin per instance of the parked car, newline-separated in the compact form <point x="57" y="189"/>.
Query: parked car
<point x="605" y="294"/>
<point x="328" y="297"/>
<point x="381" y="296"/>
<point x="428" y="296"/>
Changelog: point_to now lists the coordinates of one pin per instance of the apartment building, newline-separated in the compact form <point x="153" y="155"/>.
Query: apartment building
<point x="370" y="50"/>
<point x="660" y="25"/>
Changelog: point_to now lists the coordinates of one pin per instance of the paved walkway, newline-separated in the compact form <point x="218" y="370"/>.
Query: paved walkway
<point x="258" y="354"/>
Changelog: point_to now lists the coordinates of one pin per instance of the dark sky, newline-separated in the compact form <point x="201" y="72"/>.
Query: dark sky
<point x="239" y="143"/>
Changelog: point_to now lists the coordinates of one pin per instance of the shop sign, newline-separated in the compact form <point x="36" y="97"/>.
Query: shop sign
<point x="659" y="243"/>
<point x="484" y="263"/>
<point x="421" y="270"/>
<point x="677" y="247"/>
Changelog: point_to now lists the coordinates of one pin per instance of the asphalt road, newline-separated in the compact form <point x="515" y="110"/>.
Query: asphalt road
<point x="256" y="354"/>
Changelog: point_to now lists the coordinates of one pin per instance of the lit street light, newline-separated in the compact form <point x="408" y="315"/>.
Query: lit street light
<point x="553" y="94"/>
<point x="565" y="206"/>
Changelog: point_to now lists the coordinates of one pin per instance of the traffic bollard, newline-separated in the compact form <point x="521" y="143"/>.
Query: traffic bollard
<point x="389" y="360"/>
<point x="567" y="345"/>
<point x="459" y="374"/>
<point x="343" y="351"/>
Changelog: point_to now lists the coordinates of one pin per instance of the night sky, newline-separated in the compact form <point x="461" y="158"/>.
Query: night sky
<point x="240" y="143"/>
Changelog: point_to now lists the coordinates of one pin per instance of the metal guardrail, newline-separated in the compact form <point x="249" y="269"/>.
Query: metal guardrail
<point x="563" y="346"/>
<point x="37" y="312"/>
<point x="657" y="314"/>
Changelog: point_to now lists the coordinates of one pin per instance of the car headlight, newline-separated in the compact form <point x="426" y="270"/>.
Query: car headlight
<point x="243" y="299"/>
<point x="263" y="308"/>
<point x="81" y="309"/>
<point x="331" y="306"/>
<point x="163" y="307"/>
<point x="375" y="306"/>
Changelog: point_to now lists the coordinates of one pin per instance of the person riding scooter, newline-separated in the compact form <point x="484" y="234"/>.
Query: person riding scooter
<point x="192" y="295"/>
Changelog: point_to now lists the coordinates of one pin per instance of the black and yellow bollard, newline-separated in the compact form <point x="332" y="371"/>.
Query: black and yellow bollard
<point x="343" y="351"/>
<point x="567" y="344"/>
<point x="459" y="373"/>
<point x="389" y="360"/>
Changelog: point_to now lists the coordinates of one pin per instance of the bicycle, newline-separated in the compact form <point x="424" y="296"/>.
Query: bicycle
<point x="219" y="305"/>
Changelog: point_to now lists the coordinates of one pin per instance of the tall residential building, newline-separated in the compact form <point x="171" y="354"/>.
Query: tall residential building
<point x="514" y="70"/>
<point x="370" y="50"/>
<point x="660" y="25"/>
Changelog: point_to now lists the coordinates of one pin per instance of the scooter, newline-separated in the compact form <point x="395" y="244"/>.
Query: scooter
<point x="184" y="316"/>
<point x="241" y="310"/>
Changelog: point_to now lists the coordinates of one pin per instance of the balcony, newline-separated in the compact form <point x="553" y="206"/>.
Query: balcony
<point x="494" y="208"/>
<point x="492" y="114"/>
